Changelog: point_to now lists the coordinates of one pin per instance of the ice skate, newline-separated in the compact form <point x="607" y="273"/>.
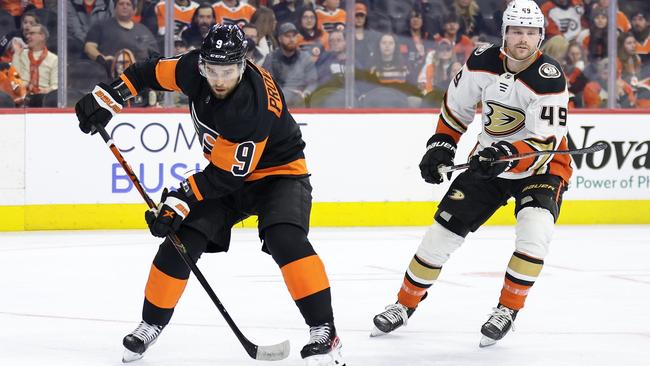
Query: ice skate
<point x="395" y="316"/>
<point x="324" y="347"/>
<point x="138" y="341"/>
<point x="498" y="325"/>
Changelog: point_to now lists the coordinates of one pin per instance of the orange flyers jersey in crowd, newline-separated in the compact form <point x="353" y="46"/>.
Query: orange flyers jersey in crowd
<point x="568" y="21"/>
<point x="245" y="137"/>
<point x="527" y="109"/>
<point x="16" y="7"/>
<point x="331" y="20"/>
<point x="182" y="14"/>
<point x="11" y="83"/>
<point x="240" y="14"/>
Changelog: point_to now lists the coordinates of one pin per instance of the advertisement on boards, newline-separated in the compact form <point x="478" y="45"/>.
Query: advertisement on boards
<point x="352" y="157"/>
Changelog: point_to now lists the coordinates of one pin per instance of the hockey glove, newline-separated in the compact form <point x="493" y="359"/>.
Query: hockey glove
<point x="98" y="107"/>
<point x="441" y="150"/>
<point x="485" y="164"/>
<point x="168" y="216"/>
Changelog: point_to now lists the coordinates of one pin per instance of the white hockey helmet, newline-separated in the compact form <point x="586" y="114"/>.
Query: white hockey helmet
<point x="522" y="13"/>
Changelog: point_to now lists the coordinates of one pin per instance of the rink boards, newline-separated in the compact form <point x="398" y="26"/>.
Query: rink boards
<point x="364" y="168"/>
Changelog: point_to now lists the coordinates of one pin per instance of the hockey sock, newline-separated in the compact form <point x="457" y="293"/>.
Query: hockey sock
<point x="520" y="276"/>
<point x="418" y="278"/>
<point x="302" y="270"/>
<point x="168" y="277"/>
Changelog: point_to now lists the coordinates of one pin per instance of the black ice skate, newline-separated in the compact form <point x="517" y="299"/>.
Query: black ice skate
<point x="498" y="325"/>
<point x="136" y="343"/>
<point x="390" y="319"/>
<point x="324" y="347"/>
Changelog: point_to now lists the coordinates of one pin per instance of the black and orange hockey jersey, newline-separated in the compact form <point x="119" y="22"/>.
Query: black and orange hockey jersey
<point x="527" y="109"/>
<point x="331" y="20"/>
<point x="247" y="136"/>
<point x="182" y="15"/>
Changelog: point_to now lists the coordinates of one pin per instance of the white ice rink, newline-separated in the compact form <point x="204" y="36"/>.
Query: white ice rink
<point x="68" y="298"/>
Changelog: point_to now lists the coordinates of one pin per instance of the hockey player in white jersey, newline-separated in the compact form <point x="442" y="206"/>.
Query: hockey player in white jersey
<point x="524" y="108"/>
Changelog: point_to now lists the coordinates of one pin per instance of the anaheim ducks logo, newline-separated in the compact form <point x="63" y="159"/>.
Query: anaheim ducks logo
<point x="549" y="71"/>
<point x="503" y="120"/>
<point x="456" y="195"/>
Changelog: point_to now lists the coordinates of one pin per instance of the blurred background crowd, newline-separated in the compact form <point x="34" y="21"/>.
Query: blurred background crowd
<point x="397" y="53"/>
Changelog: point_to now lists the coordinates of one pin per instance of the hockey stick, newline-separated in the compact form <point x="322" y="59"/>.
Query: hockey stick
<point x="274" y="352"/>
<point x="587" y="150"/>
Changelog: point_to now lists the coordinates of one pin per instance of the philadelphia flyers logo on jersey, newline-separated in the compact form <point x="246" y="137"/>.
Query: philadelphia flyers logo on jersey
<point x="503" y="120"/>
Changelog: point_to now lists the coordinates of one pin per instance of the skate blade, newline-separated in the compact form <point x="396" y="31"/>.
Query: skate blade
<point x="375" y="332"/>
<point x="129" y="356"/>
<point x="486" y="342"/>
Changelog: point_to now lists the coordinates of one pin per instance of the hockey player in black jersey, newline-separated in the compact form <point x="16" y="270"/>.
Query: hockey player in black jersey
<point x="256" y="167"/>
<point x="524" y="108"/>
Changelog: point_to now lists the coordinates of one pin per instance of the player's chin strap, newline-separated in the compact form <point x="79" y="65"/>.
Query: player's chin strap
<point x="505" y="53"/>
<point x="587" y="150"/>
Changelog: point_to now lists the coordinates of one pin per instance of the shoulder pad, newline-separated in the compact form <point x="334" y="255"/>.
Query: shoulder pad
<point x="544" y="76"/>
<point x="486" y="58"/>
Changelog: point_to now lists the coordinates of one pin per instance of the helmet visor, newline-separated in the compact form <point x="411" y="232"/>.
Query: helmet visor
<point x="220" y="72"/>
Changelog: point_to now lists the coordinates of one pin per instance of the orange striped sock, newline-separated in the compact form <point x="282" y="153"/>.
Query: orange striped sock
<point x="521" y="274"/>
<point x="419" y="276"/>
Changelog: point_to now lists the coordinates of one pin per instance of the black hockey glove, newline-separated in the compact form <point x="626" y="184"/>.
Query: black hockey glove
<point x="98" y="107"/>
<point x="485" y="164"/>
<point x="441" y="150"/>
<point x="167" y="218"/>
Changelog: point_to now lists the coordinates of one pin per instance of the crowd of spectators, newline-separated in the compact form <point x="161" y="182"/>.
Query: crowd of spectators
<point x="406" y="51"/>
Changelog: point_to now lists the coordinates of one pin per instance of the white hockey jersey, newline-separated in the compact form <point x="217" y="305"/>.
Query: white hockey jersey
<point x="527" y="109"/>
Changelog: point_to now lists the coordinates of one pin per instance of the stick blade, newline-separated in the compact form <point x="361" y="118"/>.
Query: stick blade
<point x="274" y="352"/>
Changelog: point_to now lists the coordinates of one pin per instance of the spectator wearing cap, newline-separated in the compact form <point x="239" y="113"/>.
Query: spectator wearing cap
<point x="365" y="38"/>
<point x="311" y="39"/>
<point x="330" y="16"/>
<point x="641" y="32"/>
<point x="202" y="21"/>
<point x="82" y="15"/>
<point x="564" y="17"/>
<point x="622" y="22"/>
<point x="291" y="68"/>
<point x="120" y="32"/>
<point x="463" y="45"/>
<point x="37" y="66"/>
<point x="233" y="12"/>
<point x="183" y="12"/>
<point x="594" y="39"/>
<point x="436" y="73"/>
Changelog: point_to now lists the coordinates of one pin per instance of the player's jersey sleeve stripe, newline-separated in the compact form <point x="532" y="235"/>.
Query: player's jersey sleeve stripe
<point x="129" y="84"/>
<point x="305" y="276"/>
<point x="451" y="118"/>
<point x="195" y="188"/>
<point x="236" y="157"/>
<point x="561" y="164"/>
<point x="166" y="74"/>
<point x="296" y="167"/>
<point x="162" y="289"/>
<point x="447" y="129"/>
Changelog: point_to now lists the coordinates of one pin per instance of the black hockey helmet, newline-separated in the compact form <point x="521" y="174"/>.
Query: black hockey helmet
<point x="225" y="44"/>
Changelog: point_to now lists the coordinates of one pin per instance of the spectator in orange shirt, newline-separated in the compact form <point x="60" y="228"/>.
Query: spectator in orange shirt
<point x="595" y="94"/>
<point x="11" y="85"/>
<point x="233" y="12"/>
<point x="330" y="17"/>
<point x="641" y="32"/>
<point x="311" y="39"/>
<point x="463" y="45"/>
<point x="183" y="13"/>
